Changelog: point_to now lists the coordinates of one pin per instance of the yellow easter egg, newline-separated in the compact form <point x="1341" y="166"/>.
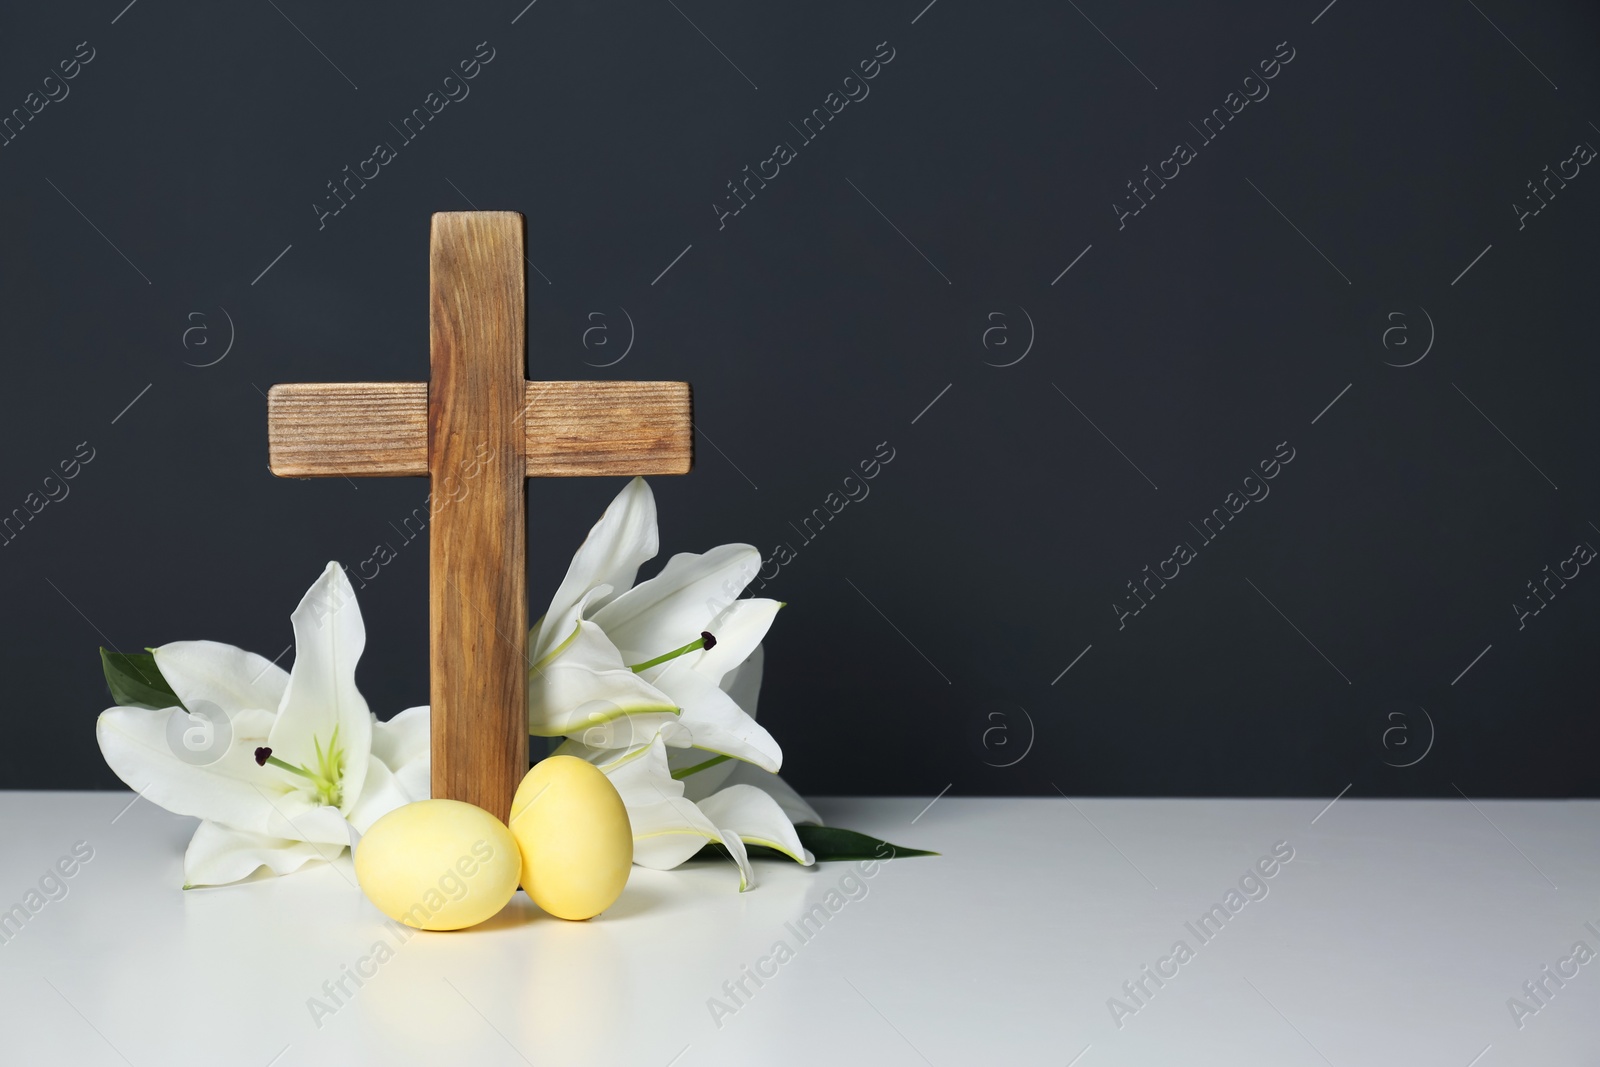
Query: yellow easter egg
<point x="572" y="829"/>
<point x="438" y="865"/>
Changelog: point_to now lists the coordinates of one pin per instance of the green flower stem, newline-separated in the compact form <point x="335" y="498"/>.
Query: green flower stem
<point x="327" y="784"/>
<point x="680" y="775"/>
<point x="292" y="769"/>
<point x="705" y="640"/>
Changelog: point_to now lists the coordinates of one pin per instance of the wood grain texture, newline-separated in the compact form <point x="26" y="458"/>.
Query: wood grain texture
<point x="593" y="428"/>
<point x="377" y="429"/>
<point x="571" y="429"/>
<point x="477" y="573"/>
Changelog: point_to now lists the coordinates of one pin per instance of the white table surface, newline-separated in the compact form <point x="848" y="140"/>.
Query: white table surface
<point x="1395" y="935"/>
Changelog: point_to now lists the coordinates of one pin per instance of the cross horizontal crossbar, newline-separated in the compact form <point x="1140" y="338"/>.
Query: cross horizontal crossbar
<point x="571" y="429"/>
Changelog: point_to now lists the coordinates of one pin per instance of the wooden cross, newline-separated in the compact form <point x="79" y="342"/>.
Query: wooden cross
<point x="478" y="413"/>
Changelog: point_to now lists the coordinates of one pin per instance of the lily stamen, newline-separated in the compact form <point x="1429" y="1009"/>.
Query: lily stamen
<point x="706" y="641"/>
<point x="327" y="787"/>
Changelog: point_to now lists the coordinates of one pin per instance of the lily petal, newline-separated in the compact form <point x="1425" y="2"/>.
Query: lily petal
<point x="228" y="677"/>
<point x="714" y="721"/>
<point x="713" y="770"/>
<point x="232" y="790"/>
<point x="741" y="860"/>
<point x="624" y="538"/>
<point x="585" y="691"/>
<point x="662" y="613"/>
<point x="402" y="744"/>
<point x="743" y="683"/>
<point x="296" y="817"/>
<point x="743" y="686"/>
<point x="667" y="831"/>
<point x="321" y="694"/>
<point x="754" y="816"/>
<point x="382" y="794"/>
<point x="218" y="854"/>
<point x="739" y="629"/>
<point x="794" y="806"/>
<point x="667" y="828"/>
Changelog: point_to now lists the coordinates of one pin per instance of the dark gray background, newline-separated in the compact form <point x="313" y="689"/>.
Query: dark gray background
<point x="1220" y="321"/>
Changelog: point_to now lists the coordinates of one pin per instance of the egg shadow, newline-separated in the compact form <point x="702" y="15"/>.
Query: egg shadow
<point x="520" y="911"/>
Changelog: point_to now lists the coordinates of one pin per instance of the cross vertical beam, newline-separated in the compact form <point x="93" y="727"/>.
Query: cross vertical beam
<point x="478" y="429"/>
<point x="477" y="574"/>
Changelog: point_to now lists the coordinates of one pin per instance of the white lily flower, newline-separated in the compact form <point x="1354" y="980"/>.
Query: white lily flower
<point x="622" y="661"/>
<point x="700" y="781"/>
<point x="306" y="763"/>
<point x="678" y="800"/>
<point x="632" y="678"/>
<point x="669" y="828"/>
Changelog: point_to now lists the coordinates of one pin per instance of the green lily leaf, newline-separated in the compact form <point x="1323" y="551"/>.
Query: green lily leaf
<point x="136" y="682"/>
<point x="834" y="843"/>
